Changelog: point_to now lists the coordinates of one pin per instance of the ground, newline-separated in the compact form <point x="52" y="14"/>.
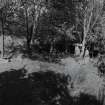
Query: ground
<point x="83" y="76"/>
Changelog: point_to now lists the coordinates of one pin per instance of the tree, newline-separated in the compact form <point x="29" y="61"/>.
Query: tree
<point x="4" y="5"/>
<point x="89" y="12"/>
<point x="39" y="8"/>
<point x="32" y="10"/>
<point x="58" y="21"/>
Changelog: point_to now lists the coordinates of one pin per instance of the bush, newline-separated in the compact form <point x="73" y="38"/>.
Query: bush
<point x="38" y="88"/>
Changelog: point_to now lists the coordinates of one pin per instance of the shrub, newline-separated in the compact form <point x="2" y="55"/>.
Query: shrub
<point x="38" y="88"/>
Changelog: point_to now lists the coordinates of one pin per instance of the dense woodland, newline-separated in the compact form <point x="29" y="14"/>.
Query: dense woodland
<point x="50" y="30"/>
<point x="53" y="26"/>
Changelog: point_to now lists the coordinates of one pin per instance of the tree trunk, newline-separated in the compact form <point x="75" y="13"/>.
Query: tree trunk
<point x="83" y="44"/>
<point x="84" y="40"/>
<point x="2" y="50"/>
<point x="86" y="31"/>
<point x="35" y="23"/>
<point x="51" y="48"/>
<point x="28" y="36"/>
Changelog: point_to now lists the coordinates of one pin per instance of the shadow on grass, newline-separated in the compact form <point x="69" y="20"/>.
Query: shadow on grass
<point x="39" y="88"/>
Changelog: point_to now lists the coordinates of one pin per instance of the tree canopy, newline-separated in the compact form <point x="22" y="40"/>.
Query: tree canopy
<point x="53" y="21"/>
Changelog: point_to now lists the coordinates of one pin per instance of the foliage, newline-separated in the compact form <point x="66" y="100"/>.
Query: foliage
<point x="88" y="17"/>
<point x="40" y="88"/>
<point x="54" y="24"/>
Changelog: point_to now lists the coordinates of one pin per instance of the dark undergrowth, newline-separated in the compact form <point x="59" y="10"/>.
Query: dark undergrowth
<point x="39" y="88"/>
<point x="101" y="65"/>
